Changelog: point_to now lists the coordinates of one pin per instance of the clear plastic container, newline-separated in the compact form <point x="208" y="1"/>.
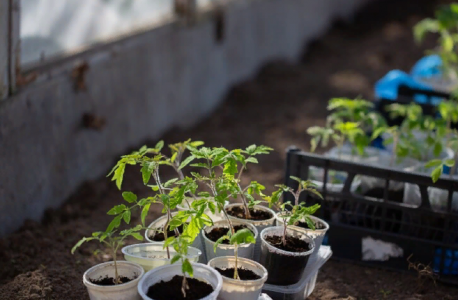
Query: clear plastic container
<point x="113" y="292"/>
<point x="317" y="235"/>
<point x="260" y="225"/>
<point x="240" y="289"/>
<point x="244" y="250"/>
<point x="160" y="222"/>
<point x="166" y="273"/>
<point x="151" y="256"/>
<point x="303" y="288"/>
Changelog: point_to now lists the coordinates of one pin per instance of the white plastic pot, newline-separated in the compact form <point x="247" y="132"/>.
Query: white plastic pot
<point x="114" y="292"/>
<point x="317" y="235"/>
<point x="166" y="273"/>
<point x="151" y="256"/>
<point x="160" y="222"/>
<point x="260" y="225"/>
<point x="244" y="250"/>
<point x="240" y="289"/>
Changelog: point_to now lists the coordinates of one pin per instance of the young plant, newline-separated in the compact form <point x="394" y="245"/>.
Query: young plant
<point x="181" y="244"/>
<point x="293" y="213"/>
<point x="112" y="241"/>
<point x="169" y="194"/>
<point x="243" y="236"/>
<point x="446" y="25"/>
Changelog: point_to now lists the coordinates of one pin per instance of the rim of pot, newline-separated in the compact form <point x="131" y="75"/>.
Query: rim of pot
<point x="260" y="207"/>
<point x="216" y="289"/>
<point x="326" y="225"/>
<point x="237" y="222"/>
<point x="287" y="253"/>
<point x="150" y="228"/>
<point x="125" y="250"/>
<point x="88" y="283"/>
<point x="246" y="260"/>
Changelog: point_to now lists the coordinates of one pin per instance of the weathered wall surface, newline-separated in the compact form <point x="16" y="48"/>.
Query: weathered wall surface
<point x="170" y="76"/>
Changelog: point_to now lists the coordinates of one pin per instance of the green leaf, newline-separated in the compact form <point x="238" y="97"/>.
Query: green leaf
<point x="114" y="223"/>
<point x="436" y="173"/>
<point x="449" y="162"/>
<point x="196" y="144"/>
<point x="174" y="156"/>
<point x="437" y="149"/>
<point x="146" y="174"/>
<point x="159" y="146"/>
<point x="170" y="182"/>
<point x="119" y="175"/>
<point x="187" y="268"/>
<point x="295" y="178"/>
<point x="186" y="162"/>
<point x="242" y="237"/>
<point x="80" y="242"/>
<point x="230" y="167"/>
<point x="117" y="210"/>
<point x="219" y="241"/>
<point x="175" y="259"/>
<point x="310" y="223"/>
<point x="137" y="236"/>
<point x="129" y="197"/>
<point x="433" y="163"/>
<point x="126" y="216"/>
<point x="252" y="160"/>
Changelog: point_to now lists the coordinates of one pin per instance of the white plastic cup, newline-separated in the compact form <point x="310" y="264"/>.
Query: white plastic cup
<point x="114" y="292"/>
<point x="240" y="289"/>
<point x="166" y="273"/>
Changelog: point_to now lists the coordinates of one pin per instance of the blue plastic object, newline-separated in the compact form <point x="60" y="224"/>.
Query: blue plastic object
<point x="387" y="87"/>
<point x="450" y="262"/>
<point x="427" y="67"/>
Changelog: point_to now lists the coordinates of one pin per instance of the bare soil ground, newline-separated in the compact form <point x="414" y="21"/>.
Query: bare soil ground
<point x="274" y="108"/>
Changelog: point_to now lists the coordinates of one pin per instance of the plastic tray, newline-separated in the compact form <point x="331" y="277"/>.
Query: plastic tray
<point x="305" y="287"/>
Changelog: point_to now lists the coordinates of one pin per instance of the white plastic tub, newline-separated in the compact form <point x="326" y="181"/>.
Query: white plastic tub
<point x="166" y="273"/>
<point x="305" y="287"/>
<point x="317" y="236"/>
<point x="244" y="250"/>
<point x="260" y="225"/>
<point x="160" y="222"/>
<point x="151" y="256"/>
<point x="240" y="289"/>
<point x="114" y="292"/>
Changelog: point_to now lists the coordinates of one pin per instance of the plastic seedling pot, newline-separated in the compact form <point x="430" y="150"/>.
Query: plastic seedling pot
<point x="260" y="225"/>
<point x="160" y="222"/>
<point x="151" y="256"/>
<point x="113" y="292"/>
<point x="284" y="267"/>
<point x="166" y="273"/>
<point x="240" y="289"/>
<point x="317" y="235"/>
<point x="244" y="250"/>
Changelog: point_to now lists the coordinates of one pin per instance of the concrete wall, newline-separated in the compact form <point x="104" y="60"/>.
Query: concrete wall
<point x="142" y="85"/>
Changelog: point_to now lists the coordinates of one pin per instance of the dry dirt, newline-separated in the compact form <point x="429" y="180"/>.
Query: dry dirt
<point x="274" y="108"/>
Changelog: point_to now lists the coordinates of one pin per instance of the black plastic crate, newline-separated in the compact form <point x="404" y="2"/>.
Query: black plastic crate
<point x="430" y="237"/>
<point x="406" y="95"/>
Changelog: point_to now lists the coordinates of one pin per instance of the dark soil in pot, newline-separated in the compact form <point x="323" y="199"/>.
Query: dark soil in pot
<point x="284" y="269"/>
<point x="168" y="290"/>
<point x="256" y="214"/>
<point x="159" y="236"/>
<point x="107" y="281"/>
<point x="318" y="225"/>
<point x="244" y="274"/>
<point x="216" y="233"/>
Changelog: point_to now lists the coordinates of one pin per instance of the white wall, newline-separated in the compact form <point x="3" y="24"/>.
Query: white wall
<point x="142" y="86"/>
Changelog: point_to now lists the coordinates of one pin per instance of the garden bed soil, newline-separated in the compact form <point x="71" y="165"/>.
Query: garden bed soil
<point x="244" y="274"/>
<point x="167" y="290"/>
<point x="256" y="214"/>
<point x="281" y="102"/>
<point x="216" y="233"/>
<point x="293" y="244"/>
<point x="108" y="281"/>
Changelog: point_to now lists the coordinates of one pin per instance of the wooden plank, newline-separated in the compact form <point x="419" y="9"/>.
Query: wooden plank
<point x="4" y="26"/>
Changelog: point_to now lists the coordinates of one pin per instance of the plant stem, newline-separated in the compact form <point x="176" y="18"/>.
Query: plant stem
<point x="184" y="285"/>
<point x="245" y="202"/>
<point x="395" y="146"/>
<point x="236" y="272"/>
<point x="452" y="169"/>
<point x="285" y="225"/>
<point x="116" y="279"/>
